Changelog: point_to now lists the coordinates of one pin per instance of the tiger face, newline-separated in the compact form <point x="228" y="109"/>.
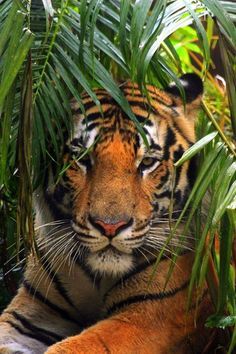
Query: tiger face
<point x="117" y="190"/>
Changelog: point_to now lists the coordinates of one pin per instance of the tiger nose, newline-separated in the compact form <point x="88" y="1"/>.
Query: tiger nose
<point x="110" y="229"/>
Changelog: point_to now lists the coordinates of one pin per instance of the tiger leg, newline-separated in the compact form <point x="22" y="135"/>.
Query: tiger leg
<point x="150" y="327"/>
<point x="30" y="324"/>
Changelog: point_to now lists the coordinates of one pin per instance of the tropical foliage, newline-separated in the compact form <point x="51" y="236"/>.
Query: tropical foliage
<point x="53" y="50"/>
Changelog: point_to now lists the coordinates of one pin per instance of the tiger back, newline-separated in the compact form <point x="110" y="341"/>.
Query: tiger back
<point x="101" y="228"/>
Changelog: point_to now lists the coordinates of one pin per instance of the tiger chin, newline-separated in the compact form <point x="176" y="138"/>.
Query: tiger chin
<point x="101" y="228"/>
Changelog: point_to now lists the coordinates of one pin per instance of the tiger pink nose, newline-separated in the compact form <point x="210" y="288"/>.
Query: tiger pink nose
<point x="110" y="229"/>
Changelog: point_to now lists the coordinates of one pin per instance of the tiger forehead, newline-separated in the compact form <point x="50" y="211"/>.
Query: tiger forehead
<point x="111" y="125"/>
<point x="106" y="120"/>
<point x="153" y="101"/>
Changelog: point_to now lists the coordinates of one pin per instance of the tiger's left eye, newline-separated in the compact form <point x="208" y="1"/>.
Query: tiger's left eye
<point x="148" y="162"/>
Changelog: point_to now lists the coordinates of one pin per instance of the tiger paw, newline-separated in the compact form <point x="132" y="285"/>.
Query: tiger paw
<point x="88" y="343"/>
<point x="14" y="348"/>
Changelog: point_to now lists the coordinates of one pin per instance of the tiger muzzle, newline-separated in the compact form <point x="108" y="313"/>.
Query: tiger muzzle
<point x="108" y="227"/>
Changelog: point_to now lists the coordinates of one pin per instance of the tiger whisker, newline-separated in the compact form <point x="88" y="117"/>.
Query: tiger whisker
<point x="175" y="244"/>
<point x="14" y="256"/>
<point x="160" y="246"/>
<point x="139" y="250"/>
<point x="166" y="255"/>
<point x="179" y="240"/>
<point x="58" y="246"/>
<point x="14" y="244"/>
<point x="60" y="265"/>
<point x="187" y="236"/>
<point x="50" y="246"/>
<point x="163" y="220"/>
<point x="155" y="255"/>
<point x="94" y="279"/>
<point x="75" y="256"/>
<point x="51" y="238"/>
<point x="59" y="229"/>
<point x="15" y="266"/>
<point x="52" y="223"/>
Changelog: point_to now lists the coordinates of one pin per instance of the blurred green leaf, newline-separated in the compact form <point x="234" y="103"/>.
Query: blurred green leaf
<point x="193" y="150"/>
<point x="221" y="321"/>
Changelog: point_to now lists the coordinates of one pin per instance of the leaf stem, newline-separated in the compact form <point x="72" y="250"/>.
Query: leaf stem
<point x="216" y="125"/>
<point x="61" y="13"/>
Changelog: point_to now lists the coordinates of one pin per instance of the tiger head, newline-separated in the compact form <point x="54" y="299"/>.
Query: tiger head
<point x="117" y="189"/>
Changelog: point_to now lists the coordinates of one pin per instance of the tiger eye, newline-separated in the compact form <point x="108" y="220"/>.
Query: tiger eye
<point x="148" y="161"/>
<point x="83" y="160"/>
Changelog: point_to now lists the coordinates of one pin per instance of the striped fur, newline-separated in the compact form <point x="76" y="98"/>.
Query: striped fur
<point x="100" y="230"/>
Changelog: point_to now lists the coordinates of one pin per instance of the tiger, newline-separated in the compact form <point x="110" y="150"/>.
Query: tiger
<point x="95" y="286"/>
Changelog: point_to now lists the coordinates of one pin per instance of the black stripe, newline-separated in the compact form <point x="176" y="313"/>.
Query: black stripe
<point x="91" y="126"/>
<point x="144" y="119"/>
<point x="165" y="194"/>
<point x="163" y="180"/>
<point x="105" y="347"/>
<point x="150" y="99"/>
<point x="94" y="277"/>
<point x="182" y="133"/>
<point x="178" y="153"/>
<point x="142" y="105"/>
<point x="31" y="327"/>
<point x="192" y="171"/>
<point x="178" y="196"/>
<point x="169" y="141"/>
<point x="75" y="142"/>
<point x="102" y="92"/>
<point x="39" y="337"/>
<point x="56" y="281"/>
<point x="60" y="192"/>
<point x="55" y="209"/>
<point x="103" y="100"/>
<point x="151" y="95"/>
<point x="63" y="313"/>
<point x="170" y="137"/>
<point x="92" y="116"/>
<point x="154" y="146"/>
<point x="85" y="235"/>
<point x="99" y="116"/>
<point x="178" y="172"/>
<point x="81" y="226"/>
<point x="138" y="269"/>
<point x="146" y="297"/>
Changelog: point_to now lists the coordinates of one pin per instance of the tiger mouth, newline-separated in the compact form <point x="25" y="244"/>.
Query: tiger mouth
<point x="110" y="261"/>
<point x="109" y="249"/>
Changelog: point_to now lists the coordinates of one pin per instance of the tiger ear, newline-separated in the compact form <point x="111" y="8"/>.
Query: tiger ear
<point x="192" y="85"/>
<point x="193" y="88"/>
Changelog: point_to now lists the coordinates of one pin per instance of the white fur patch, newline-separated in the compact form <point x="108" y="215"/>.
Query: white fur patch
<point x="88" y="137"/>
<point x="14" y="348"/>
<point x="110" y="262"/>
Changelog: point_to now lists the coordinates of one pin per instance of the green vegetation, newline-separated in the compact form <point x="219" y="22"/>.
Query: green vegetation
<point x="51" y="51"/>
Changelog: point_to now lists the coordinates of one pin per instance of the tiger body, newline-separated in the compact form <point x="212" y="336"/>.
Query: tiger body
<point x="100" y="229"/>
